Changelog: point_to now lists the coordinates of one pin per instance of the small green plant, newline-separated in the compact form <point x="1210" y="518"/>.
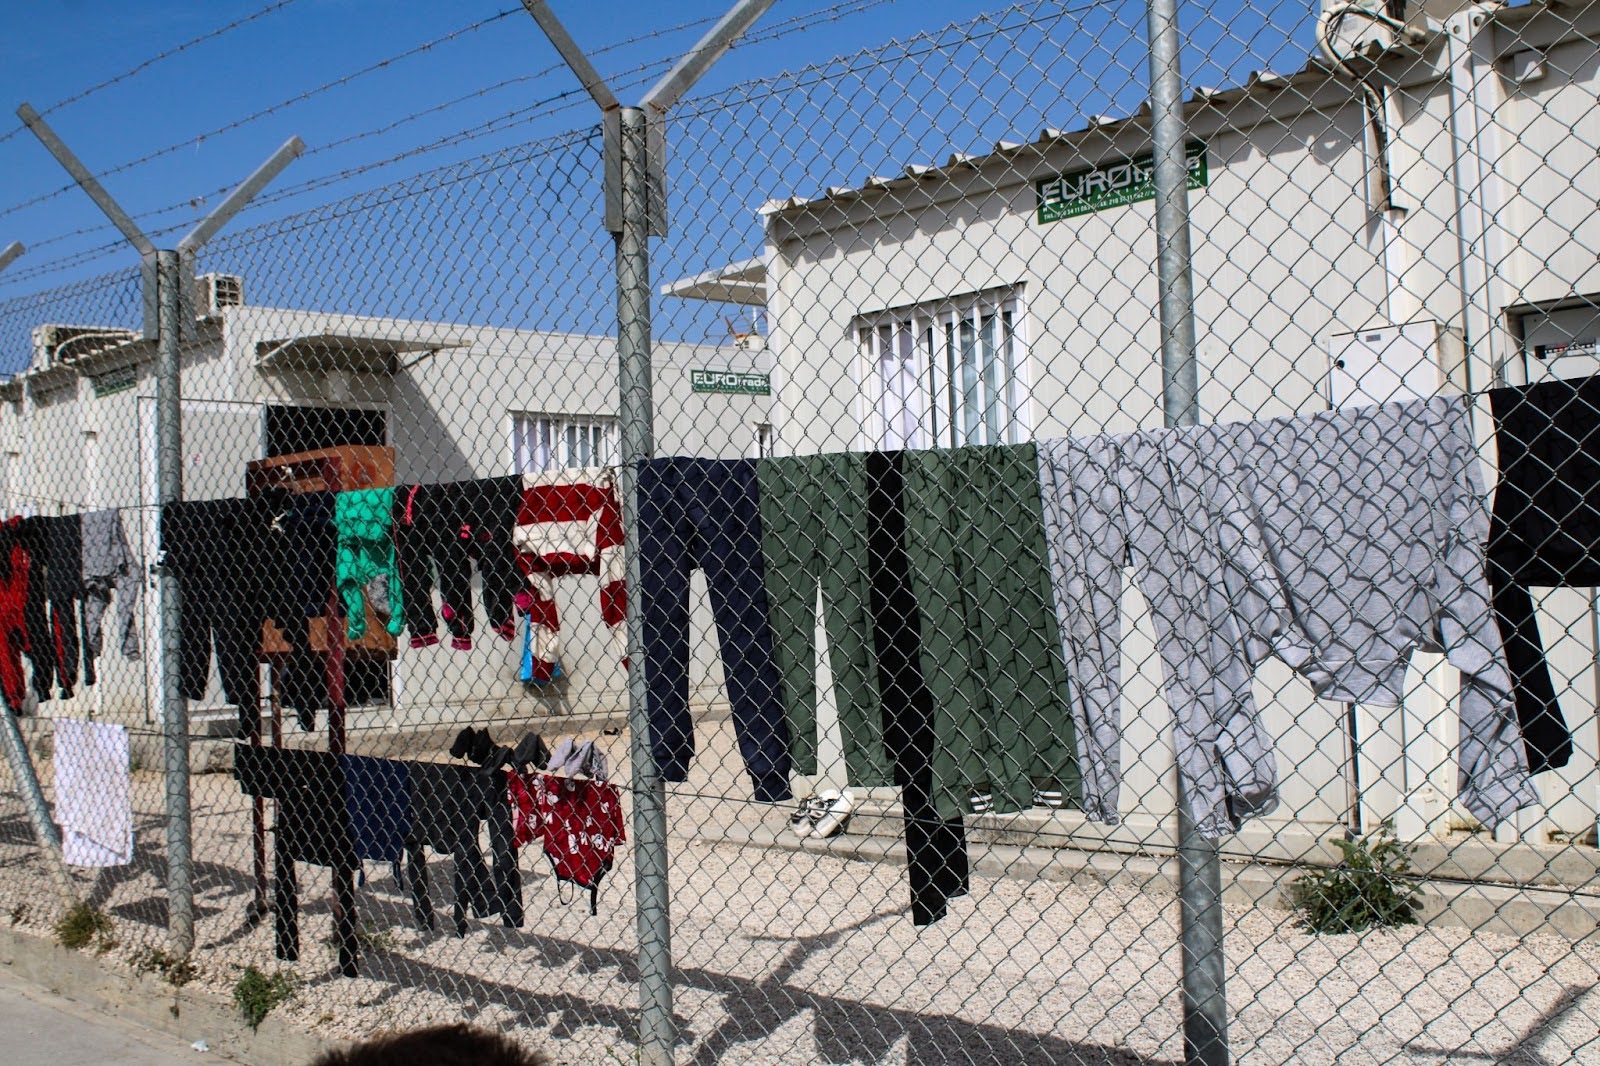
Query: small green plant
<point x="371" y="938"/>
<point x="1371" y="888"/>
<point x="173" y="969"/>
<point x="83" y="925"/>
<point x="256" y="994"/>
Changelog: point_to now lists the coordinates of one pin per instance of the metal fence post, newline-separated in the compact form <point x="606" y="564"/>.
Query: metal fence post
<point x="174" y="708"/>
<point x="1205" y="1020"/>
<point x="656" y="1036"/>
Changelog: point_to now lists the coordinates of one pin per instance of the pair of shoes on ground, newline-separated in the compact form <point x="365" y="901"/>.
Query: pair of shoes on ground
<point x="822" y="815"/>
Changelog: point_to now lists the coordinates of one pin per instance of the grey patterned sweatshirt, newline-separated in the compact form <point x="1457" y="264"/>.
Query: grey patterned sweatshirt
<point x="1340" y="542"/>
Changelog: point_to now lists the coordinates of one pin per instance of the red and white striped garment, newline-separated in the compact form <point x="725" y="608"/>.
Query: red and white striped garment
<point x="569" y="523"/>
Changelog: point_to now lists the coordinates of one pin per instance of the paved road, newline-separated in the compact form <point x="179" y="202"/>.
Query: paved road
<point x="41" y="1029"/>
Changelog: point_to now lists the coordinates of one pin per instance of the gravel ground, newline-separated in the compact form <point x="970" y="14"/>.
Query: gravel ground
<point x="801" y="957"/>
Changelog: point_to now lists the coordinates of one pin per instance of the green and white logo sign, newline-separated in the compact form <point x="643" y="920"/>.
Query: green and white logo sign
<point x="737" y="382"/>
<point x="1114" y="184"/>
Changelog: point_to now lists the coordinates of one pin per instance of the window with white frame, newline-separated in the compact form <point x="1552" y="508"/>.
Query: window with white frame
<point x="562" y="442"/>
<point x="762" y="446"/>
<point x="947" y="374"/>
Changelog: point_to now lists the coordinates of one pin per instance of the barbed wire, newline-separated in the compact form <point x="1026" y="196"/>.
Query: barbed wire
<point x="272" y="109"/>
<point x="152" y="61"/>
<point x="546" y="107"/>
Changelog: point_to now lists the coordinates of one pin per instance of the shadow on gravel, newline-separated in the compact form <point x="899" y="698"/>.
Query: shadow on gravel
<point x="845" y="1030"/>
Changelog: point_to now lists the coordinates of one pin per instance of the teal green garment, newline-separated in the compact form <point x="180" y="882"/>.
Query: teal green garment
<point x="991" y="650"/>
<point x="814" y="535"/>
<point x="364" y="520"/>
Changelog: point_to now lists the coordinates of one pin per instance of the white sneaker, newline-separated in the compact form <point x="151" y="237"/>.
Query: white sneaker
<point x="982" y="802"/>
<point x="805" y="815"/>
<point x="835" y="815"/>
<point x="1052" y="798"/>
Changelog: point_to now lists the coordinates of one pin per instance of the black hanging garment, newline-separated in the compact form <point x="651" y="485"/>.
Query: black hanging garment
<point x="1545" y="531"/>
<point x="296" y="579"/>
<point x="936" y="848"/>
<point x="441" y="530"/>
<point x="51" y="614"/>
<point x="448" y="803"/>
<point x="312" y="827"/>
<point x="240" y="562"/>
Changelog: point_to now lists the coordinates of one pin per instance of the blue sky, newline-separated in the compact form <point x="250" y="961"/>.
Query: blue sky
<point x="1047" y="62"/>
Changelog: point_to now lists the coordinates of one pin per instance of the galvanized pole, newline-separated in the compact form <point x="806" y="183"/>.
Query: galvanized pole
<point x="27" y="781"/>
<point x="175" y="709"/>
<point x="651" y="888"/>
<point x="1205" y="1018"/>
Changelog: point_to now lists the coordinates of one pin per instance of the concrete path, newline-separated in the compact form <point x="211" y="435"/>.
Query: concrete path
<point x="38" y="1028"/>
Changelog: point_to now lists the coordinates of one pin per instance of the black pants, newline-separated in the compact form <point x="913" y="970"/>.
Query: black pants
<point x="449" y="802"/>
<point x="1545" y="531"/>
<point x="312" y="827"/>
<point x="936" y="849"/>
<point x="702" y="514"/>
<point x="51" y="614"/>
<point x="440" y="532"/>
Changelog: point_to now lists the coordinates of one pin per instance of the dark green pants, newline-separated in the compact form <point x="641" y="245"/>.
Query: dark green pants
<point x="813" y="534"/>
<point x="991" y="651"/>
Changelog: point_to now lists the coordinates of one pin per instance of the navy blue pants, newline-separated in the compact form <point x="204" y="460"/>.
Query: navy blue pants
<point x="701" y="513"/>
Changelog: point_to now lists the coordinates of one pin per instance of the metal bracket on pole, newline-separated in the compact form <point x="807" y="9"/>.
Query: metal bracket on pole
<point x="220" y="216"/>
<point x="635" y="211"/>
<point x="10" y="253"/>
<point x="168" y="318"/>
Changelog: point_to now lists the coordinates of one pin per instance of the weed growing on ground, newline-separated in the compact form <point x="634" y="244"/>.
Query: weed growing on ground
<point x="173" y="969"/>
<point x="256" y="994"/>
<point x="1371" y="888"/>
<point x="83" y="925"/>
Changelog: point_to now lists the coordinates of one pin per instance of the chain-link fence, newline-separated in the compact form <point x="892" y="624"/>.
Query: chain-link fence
<point x="825" y="685"/>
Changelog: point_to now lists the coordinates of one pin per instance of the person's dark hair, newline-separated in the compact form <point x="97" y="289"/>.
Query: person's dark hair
<point x="441" y="1045"/>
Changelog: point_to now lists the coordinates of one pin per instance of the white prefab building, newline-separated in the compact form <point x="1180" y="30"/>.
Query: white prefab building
<point x="1011" y="295"/>
<point x="455" y="402"/>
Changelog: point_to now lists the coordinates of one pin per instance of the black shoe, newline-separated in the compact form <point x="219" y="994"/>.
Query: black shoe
<point x="530" y="753"/>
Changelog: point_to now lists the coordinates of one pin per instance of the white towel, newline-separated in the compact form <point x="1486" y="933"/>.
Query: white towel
<point x="94" y="799"/>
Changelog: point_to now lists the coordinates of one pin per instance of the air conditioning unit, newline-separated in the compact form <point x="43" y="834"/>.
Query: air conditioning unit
<point x="57" y="345"/>
<point x="213" y="292"/>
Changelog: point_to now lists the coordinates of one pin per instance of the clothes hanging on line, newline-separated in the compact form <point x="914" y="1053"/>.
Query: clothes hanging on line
<point x="109" y="567"/>
<point x="14" y="564"/>
<point x="301" y="550"/>
<point x="937" y="865"/>
<point x="440" y="532"/>
<point x="1112" y="500"/>
<point x="377" y="798"/>
<point x="449" y="804"/>
<point x="240" y="563"/>
<point x="990" y="646"/>
<point x="1545" y="530"/>
<point x="1340" y="542"/>
<point x="578" y="758"/>
<point x="580" y="822"/>
<point x="814" y="537"/>
<point x="55" y="585"/>
<point x="367" y="573"/>
<point x="94" y="797"/>
<point x="311" y="827"/>
<point x="568" y="523"/>
<point x="704" y="514"/>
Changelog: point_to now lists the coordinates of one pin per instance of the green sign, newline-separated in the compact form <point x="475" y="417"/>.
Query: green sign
<point x="112" y="382"/>
<point x="737" y="382"/>
<point x="1114" y="184"/>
